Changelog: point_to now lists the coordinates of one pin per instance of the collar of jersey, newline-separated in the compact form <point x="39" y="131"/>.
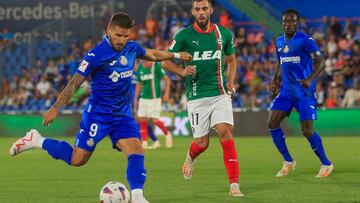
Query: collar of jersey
<point x="106" y="38"/>
<point x="197" y="29"/>
<point x="291" y="37"/>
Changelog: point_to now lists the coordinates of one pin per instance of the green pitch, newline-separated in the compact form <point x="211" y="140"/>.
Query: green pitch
<point x="35" y="177"/>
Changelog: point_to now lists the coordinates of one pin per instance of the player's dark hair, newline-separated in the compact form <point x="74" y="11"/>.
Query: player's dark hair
<point x="122" y="20"/>
<point x="293" y="11"/>
<point x="193" y="1"/>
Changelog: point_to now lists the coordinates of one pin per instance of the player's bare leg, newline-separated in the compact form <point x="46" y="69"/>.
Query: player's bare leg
<point x="57" y="149"/>
<point x="225" y="133"/>
<point x="135" y="173"/>
<point x="315" y="141"/>
<point x="278" y="136"/>
<point x="198" y="146"/>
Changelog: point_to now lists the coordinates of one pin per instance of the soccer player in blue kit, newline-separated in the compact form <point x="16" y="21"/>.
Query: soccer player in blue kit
<point x="301" y="62"/>
<point x="110" y="65"/>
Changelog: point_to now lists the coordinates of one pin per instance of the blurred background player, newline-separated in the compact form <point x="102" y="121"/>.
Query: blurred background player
<point x="110" y="65"/>
<point x="209" y="105"/>
<point x="301" y="62"/>
<point x="148" y="107"/>
<point x="156" y="142"/>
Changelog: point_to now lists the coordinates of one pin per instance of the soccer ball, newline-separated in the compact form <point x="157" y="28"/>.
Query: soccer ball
<point x="114" y="192"/>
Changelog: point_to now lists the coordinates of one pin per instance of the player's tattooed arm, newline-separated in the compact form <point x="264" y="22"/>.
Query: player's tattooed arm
<point x="319" y="66"/>
<point x="157" y="55"/>
<point x="63" y="98"/>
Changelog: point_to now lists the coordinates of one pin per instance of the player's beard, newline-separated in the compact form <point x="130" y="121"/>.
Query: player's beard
<point x="203" y="24"/>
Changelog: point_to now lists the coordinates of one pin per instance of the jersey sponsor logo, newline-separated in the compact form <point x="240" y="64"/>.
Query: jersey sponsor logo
<point x="172" y="44"/>
<point x="146" y="77"/>
<point x="196" y="42"/>
<point x="84" y="64"/>
<point x="207" y="55"/>
<point x="123" y="60"/>
<point x="115" y="75"/>
<point x="91" y="54"/>
<point x="291" y="59"/>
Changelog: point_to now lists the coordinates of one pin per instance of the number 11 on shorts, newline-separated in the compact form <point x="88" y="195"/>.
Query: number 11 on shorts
<point x="195" y="118"/>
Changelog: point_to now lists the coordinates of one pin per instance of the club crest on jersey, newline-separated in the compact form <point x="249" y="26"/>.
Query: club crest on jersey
<point x="219" y="41"/>
<point x="286" y="49"/>
<point x="90" y="142"/>
<point x="123" y="60"/>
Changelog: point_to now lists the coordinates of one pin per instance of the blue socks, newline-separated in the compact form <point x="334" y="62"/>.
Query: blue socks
<point x="279" y="140"/>
<point x="316" y="145"/>
<point x="58" y="149"/>
<point x="135" y="172"/>
<point x="151" y="133"/>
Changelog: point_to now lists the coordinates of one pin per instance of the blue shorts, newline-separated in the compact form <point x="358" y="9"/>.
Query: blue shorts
<point x="93" y="128"/>
<point x="305" y="106"/>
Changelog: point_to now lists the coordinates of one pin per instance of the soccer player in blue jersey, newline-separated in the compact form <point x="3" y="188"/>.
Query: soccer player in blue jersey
<point x="110" y="65"/>
<point x="300" y="62"/>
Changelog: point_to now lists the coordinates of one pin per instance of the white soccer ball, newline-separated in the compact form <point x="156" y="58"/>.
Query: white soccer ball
<point x="114" y="192"/>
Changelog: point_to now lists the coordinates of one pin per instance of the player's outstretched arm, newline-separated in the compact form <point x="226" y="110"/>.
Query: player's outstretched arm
<point x="182" y="72"/>
<point x="63" y="98"/>
<point x="157" y="55"/>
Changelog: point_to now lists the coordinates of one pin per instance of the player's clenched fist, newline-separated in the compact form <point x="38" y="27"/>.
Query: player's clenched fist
<point x="189" y="70"/>
<point x="185" y="56"/>
<point x="49" y="116"/>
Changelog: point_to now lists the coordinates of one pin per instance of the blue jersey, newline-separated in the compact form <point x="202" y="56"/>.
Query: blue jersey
<point x="294" y="56"/>
<point x="111" y="74"/>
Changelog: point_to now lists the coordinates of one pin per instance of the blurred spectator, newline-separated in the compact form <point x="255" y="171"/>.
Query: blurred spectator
<point x="175" y="29"/>
<point x="335" y="27"/>
<point x="43" y="88"/>
<point x="174" y="18"/>
<point x="224" y="19"/>
<point x="151" y="26"/>
<point x="185" y="19"/>
<point x="352" y="97"/>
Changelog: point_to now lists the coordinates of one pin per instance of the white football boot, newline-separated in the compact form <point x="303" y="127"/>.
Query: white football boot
<point x="325" y="171"/>
<point x="235" y="190"/>
<point x="287" y="166"/>
<point x="32" y="140"/>
<point x="188" y="167"/>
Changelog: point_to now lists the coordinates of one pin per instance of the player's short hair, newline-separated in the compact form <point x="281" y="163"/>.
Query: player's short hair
<point x="293" y="11"/>
<point x="122" y="20"/>
<point x="193" y="1"/>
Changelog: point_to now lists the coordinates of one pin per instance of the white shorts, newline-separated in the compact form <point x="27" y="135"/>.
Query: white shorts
<point x="149" y="108"/>
<point x="205" y="113"/>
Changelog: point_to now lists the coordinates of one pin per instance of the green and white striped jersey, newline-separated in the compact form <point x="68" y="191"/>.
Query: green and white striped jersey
<point x="208" y="50"/>
<point x="150" y="78"/>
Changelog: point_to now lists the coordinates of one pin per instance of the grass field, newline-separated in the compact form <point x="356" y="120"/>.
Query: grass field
<point x="34" y="177"/>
